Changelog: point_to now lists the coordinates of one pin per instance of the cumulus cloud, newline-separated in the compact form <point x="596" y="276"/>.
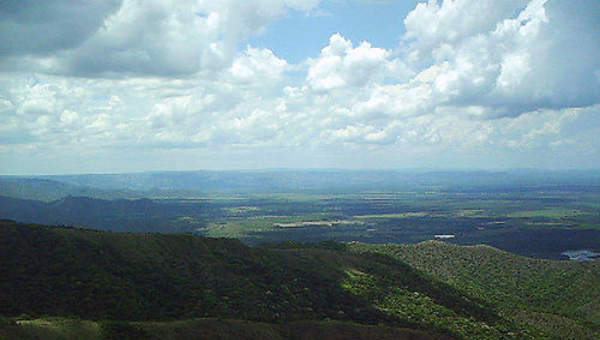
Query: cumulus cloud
<point x="342" y="65"/>
<point x="146" y="38"/>
<point x="258" y="66"/>
<point x="432" y="27"/>
<point x="468" y="78"/>
<point x="505" y="57"/>
<point x="43" y="27"/>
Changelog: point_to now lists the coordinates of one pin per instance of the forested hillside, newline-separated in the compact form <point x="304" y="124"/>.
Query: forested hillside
<point x="94" y="275"/>
<point x="558" y="297"/>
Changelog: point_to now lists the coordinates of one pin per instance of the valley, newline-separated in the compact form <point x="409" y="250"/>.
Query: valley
<point x="512" y="211"/>
<point x="423" y="257"/>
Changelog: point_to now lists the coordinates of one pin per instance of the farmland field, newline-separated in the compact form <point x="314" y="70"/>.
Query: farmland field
<point x="537" y="214"/>
<point x="522" y="223"/>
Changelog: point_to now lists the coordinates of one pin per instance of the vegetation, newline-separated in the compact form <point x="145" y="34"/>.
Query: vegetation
<point x="204" y="328"/>
<point x="57" y="271"/>
<point x="284" y="277"/>
<point x="558" y="298"/>
<point x="506" y="210"/>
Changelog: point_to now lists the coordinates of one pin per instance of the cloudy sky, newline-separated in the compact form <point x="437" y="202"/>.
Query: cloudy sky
<point x="132" y="85"/>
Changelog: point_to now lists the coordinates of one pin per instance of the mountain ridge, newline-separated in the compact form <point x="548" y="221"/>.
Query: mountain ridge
<point x="100" y="275"/>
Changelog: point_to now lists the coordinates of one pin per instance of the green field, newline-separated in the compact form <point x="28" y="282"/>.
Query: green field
<point x="511" y="221"/>
<point x="539" y="222"/>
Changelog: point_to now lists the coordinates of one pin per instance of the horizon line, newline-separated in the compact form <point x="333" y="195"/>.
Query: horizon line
<point x="284" y="169"/>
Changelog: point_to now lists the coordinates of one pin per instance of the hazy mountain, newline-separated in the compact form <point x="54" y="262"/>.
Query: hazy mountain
<point x="117" y="215"/>
<point x="329" y="180"/>
<point x="43" y="189"/>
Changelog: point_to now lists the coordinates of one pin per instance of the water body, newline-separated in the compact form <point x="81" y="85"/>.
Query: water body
<point x="580" y="255"/>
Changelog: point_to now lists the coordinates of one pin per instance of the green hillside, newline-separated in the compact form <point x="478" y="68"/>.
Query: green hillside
<point x="559" y="298"/>
<point x="94" y="275"/>
<point x="205" y="328"/>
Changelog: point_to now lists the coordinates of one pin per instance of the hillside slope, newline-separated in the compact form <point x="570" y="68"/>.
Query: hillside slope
<point x="126" y="215"/>
<point x="205" y="328"/>
<point x="135" y="277"/>
<point x="557" y="297"/>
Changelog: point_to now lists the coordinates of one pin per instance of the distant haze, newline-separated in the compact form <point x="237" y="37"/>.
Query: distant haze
<point x="291" y="181"/>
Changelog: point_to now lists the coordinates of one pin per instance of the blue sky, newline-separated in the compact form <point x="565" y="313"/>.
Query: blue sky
<point x="123" y="85"/>
<point x="299" y="35"/>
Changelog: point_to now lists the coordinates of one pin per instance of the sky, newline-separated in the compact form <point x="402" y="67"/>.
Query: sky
<point x="126" y="85"/>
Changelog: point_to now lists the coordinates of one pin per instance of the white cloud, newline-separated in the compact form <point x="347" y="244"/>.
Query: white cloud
<point x="153" y="37"/>
<point x="470" y="80"/>
<point x="433" y="27"/>
<point x="342" y="65"/>
<point x="257" y="66"/>
<point x="544" y="56"/>
<point x="42" y="27"/>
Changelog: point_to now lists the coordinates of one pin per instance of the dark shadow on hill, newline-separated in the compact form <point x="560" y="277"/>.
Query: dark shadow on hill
<point x="103" y="275"/>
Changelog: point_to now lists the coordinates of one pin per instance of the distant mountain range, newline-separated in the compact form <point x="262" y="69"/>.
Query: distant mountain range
<point x="130" y="215"/>
<point x="186" y="183"/>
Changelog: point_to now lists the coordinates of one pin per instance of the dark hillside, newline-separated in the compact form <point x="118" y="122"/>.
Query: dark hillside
<point x="101" y="275"/>
<point x="202" y="329"/>
<point x="127" y="215"/>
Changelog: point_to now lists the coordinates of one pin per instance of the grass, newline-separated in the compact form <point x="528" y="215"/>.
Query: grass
<point x="395" y="215"/>
<point x="551" y="213"/>
<point x="253" y="226"/>
<point x="56" y="328"/>
<point x="416" y="214"/>
<point x="60" y="328"/>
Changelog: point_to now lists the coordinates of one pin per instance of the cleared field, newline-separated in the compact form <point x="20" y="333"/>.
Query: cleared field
<point x="548" y="213"/>
<point x="397" y="215"/>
